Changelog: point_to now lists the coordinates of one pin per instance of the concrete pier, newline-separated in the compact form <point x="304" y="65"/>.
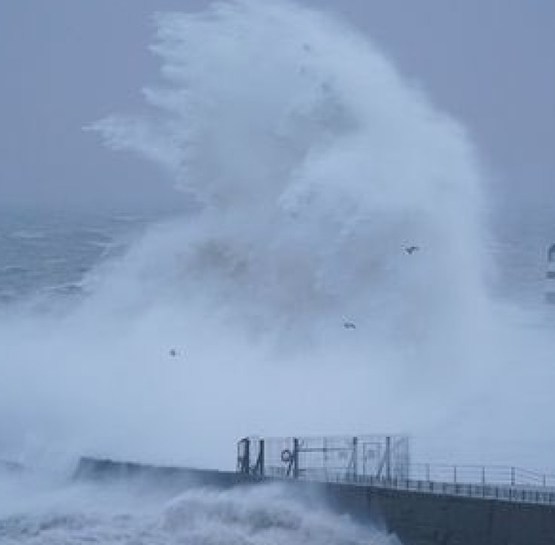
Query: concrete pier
<point x="417" y="518"/>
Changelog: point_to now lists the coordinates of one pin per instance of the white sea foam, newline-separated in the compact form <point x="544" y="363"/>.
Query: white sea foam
<point x="48" y="511"/>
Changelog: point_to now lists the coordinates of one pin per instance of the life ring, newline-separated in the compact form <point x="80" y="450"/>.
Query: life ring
<point x="286" y="456"/>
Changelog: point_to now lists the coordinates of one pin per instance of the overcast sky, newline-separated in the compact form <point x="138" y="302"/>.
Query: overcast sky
<point x="66" y="63"/>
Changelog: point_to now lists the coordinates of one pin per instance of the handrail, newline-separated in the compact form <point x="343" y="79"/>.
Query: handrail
<point x="384" y="461"/>
<point x="479" y="474"/>
<point x="505" y="483"/>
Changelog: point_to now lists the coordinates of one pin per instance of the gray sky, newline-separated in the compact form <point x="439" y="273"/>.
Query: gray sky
<point x="66" y="63"/>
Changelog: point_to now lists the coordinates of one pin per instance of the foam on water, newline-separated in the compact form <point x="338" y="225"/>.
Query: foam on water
<point x="47" y="510"/>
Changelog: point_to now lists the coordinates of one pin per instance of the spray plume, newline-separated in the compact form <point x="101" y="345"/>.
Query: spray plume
<point x="329" y="192"/>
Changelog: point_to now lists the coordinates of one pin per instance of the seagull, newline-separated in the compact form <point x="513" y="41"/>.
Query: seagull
<point x="411" y="249"/>
<point x="349" y="325"/>
<point x="173" y="352"/>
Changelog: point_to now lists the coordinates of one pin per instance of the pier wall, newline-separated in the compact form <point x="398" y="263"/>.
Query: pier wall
<point x="416" y="518"/>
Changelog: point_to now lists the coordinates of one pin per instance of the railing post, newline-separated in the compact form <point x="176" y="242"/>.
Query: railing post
<point x="295" y="458"/>
<point x="513" y="479"/>
<point x="243" y="455"/>
<point x="388" y="457"/>
<point x="355" y="457"/>
<point x="261" y="457"/>
<point x="483" y="475"/>
<point x="455" y="474"/>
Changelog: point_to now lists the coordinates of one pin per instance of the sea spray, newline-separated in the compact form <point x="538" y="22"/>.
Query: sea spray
<point x="315" y="168"/>
<point x="44" y="509"/>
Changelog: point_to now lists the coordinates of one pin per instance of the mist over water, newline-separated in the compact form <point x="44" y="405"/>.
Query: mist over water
<point x="314" y="166"/>
<point x="143" y="513"/>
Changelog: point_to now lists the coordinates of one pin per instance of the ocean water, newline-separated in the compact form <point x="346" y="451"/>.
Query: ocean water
<point x="313" y="166"/>
<point x="48" y="254"/>
<point x="47" y="510"/>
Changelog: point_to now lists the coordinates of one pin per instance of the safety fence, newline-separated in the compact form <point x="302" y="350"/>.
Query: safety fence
<point x="384" y="462"/>
<point x="369" y="455"/>
<point x="513" y="493"/>
<point x="480" y="474"/>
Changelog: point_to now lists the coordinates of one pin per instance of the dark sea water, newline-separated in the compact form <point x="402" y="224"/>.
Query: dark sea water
<point x="47" y="254"/>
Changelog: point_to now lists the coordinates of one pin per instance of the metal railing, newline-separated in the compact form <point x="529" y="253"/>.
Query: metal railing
<point x="377" y="455"/>
<point x="480" y="474"/>
<point x="383" y="461"/>
<point x="503" y="483"/>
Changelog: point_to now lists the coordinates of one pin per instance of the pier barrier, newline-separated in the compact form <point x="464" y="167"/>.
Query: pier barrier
<point x="415" y="515"/>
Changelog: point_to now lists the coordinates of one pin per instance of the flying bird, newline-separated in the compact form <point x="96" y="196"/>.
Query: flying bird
<point x="349" y="325"/>
<point x="411" y="249"/>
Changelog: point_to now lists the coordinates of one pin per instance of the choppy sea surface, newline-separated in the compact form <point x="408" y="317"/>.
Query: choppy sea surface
<point x="50" y="511"/>
<point x="47" y="254"/>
